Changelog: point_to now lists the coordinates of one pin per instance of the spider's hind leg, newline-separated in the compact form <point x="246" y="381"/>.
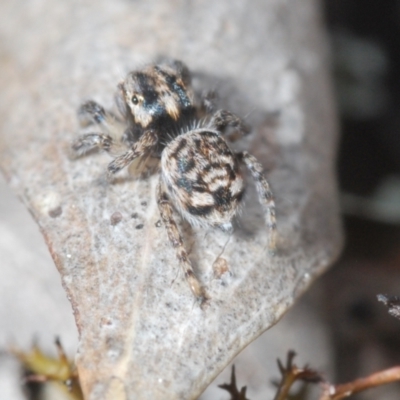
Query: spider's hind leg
<point x="264" y="193"/>
<point x="175" y="239"/>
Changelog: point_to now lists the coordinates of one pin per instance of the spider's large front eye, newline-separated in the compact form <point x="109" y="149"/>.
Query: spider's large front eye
<point x="135" y="100"/>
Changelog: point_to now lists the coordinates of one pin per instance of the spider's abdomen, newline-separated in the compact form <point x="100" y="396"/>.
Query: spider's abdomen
<point x="203" y="177"/>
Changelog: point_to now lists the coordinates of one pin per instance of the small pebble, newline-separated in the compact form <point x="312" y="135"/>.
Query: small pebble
<point x="116" y="218"/>
<point x="55" y="212"/>
<point x="220" y="267"/>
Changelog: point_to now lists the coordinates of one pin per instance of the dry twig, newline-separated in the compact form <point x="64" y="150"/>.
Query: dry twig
<point x="41" y="368"/>
<point x="232" y="388"/>
<point x="291" y="373"/>
<point x="338" y="392"/>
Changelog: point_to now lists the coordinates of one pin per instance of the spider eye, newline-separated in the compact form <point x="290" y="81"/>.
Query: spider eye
<point x="135" y="100"/>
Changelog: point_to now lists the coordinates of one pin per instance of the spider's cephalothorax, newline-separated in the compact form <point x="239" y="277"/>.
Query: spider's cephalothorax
<point x="157" y="98"/>
<point x="200" y="174"/>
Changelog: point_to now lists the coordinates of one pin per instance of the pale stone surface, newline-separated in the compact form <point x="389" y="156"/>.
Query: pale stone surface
<point x="140" y="335"/>
<point x="33" y="304"/>
<point x="303" y="330"/>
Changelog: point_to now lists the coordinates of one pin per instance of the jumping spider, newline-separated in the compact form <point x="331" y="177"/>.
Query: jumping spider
<point x="200" y="174"/>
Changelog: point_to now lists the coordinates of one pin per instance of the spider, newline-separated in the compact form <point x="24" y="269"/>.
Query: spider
<point x="200" y="175"/>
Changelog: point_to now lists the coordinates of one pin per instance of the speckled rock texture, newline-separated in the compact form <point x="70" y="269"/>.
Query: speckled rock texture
<point x="141" y="335"/>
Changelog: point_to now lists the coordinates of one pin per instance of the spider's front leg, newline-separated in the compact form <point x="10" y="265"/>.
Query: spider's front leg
<point x="175" y="239"/>
<point x="90" y="142"/>
<point x="264" y="193"/>
<point x="143" y="146"/>
<point x="92" y="113"/>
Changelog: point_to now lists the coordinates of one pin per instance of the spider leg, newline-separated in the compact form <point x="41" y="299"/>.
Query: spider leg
<point x="93" y="113"/>
<point x="208" y="101"/>
<point x="175" y="239"/>
<point x="146" y="142"/>
<point x="264" y="193"/>
<point x="223" y="119"/>
<point x="91" y="141"/>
